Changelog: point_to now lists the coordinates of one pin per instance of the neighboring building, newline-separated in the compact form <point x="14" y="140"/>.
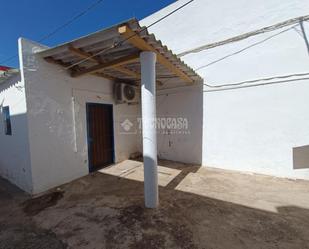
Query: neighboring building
<point x="14" y="143"/>
<point x="260" y="126"/>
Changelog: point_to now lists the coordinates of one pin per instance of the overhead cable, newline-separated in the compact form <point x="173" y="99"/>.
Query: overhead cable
<point x="92" y="6"/>
<point x="246" y="35"/>
<point x="242" y="83"/>
<point x="257" y="85"/>
<point x="244" y="49"/>
<point x="117" y="44"/>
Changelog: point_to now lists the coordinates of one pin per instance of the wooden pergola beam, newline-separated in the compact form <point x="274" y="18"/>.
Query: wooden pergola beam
<point x="66" y="64"/>
<point x="128" y="72"/>
<point x="141" y="44"/>
<point x="83" y="54"/>
<point x="116" y="64"/>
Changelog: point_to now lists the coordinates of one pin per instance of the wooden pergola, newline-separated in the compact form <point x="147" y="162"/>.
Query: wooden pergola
<point x="113" y="53"/>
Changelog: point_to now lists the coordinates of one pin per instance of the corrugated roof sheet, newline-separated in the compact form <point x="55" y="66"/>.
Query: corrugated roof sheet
<point x="103" y="42"/>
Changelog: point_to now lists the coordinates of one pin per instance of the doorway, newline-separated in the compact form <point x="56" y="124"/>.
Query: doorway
<point x="100" y="133"/>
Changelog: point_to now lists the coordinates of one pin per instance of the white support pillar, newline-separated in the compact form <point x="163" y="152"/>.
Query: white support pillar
<point x="148" y="76"/>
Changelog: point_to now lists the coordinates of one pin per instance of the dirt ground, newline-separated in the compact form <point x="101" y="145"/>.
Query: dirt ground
<point x="199" y="208"/>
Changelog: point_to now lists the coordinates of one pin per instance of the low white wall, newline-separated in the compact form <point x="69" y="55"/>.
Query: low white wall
<point x="57" y="124"/>
<point x="262" y="129"/>
<point x="14" y="149"/>
<point x="258" y="129"/>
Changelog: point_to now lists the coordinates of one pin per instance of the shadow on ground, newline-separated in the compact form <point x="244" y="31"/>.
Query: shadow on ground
<point x="17" y="230"/>
<point x="104" y="211"/>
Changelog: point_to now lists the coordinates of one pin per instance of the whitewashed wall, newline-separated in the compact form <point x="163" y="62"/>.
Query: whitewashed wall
<point x="263" y="129"/>
<point x="181" y="145"/>
<point x="57" y="130"/>
<point x="14" y="150"/>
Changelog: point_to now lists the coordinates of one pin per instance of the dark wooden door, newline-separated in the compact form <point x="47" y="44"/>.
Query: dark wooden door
<point x="100" y="135"/>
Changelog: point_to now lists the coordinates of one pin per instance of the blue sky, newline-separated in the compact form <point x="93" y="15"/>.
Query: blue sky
<point x="33" y="19"/>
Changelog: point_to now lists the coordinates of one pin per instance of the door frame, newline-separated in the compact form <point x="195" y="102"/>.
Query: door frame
<point x="88" y="104"/>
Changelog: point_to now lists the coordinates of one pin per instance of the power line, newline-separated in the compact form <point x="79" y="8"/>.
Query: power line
<point x="304" y="35"/>
<point x="169" y="14"/>
<point x="244" y="49"/>
<point x="115" y="45"/>
<point x="246" y="35"/>
<point x="256" y="85"/>
<point x="92" y="6"/>
<point x="228" y="85"/>
<point x="9" y="58"/>
<point x="72" y="20"/>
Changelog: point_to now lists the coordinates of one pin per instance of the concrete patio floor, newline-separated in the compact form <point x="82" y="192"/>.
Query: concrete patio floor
<point x="199" y="208"/>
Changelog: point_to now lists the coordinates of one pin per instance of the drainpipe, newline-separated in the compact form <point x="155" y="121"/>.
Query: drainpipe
<point x="148" y="102"/>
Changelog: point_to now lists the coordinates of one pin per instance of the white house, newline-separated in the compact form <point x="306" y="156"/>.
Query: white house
<point x="68" y="116"/>
<point x="248" y="111"/>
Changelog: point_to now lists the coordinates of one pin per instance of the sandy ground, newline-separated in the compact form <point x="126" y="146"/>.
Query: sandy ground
<point x="199" y="208"/>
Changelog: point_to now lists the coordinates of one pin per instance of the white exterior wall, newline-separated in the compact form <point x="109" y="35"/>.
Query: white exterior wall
<point x="14" y="149"/>
<point x="57" y="131"/>
<point x="181" y="102"/>
<point x="263" y="129"/>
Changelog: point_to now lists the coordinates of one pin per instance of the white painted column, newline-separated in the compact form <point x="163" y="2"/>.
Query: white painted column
<point x="148" y="75"/>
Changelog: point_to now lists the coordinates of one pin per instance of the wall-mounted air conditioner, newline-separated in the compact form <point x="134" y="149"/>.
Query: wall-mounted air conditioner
<point x="125" y="93"/>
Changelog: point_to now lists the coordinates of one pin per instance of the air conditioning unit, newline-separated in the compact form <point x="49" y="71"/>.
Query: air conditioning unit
<point x="125" y="93"/>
